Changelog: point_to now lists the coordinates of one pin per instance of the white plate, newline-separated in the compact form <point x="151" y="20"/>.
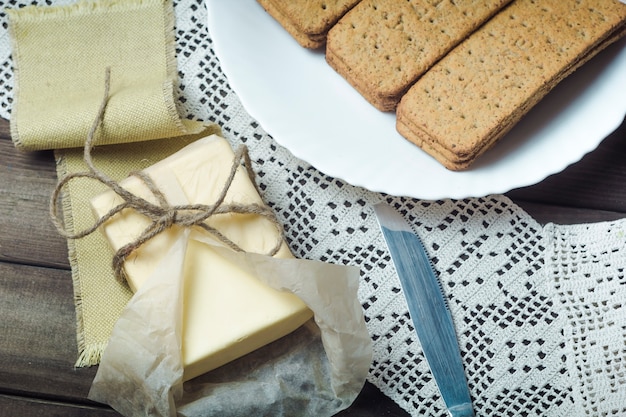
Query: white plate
<point x="312" y="111"/>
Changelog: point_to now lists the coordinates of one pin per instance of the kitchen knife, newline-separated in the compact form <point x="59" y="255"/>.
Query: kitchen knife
<point x="428" y="309"/>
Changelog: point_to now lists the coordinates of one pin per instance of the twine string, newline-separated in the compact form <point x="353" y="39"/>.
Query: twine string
<point x="162" y="215"/>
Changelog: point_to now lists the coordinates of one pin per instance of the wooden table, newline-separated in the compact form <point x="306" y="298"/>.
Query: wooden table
<point x="37" y="325"/>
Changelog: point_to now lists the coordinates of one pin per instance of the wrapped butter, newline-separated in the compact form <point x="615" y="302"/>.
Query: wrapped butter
<point x="227" y="312"/>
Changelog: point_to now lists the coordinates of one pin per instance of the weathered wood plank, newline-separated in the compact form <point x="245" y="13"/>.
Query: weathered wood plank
<point x="26" y="232"/>
<point x="544" y="213"/>
<point x="22" y="406"/>
<point x="38" y="327"/>
<point x="5" y="129"/>
<point x="596" y="182"/>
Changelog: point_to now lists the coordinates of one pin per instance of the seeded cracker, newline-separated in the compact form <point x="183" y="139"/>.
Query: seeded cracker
<point x="382" y="46"/>
<point x="308" y="21"/>
<point x="470" y="99"/>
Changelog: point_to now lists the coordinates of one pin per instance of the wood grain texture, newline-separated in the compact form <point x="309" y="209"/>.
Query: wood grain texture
<point x="24" y="406"/>
<point x="38" y="328"/>
<point x="596" y="182"/>
<point x="26" y="233"/>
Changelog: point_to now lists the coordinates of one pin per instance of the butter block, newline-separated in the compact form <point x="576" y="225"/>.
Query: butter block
<point x="227" y="312"/>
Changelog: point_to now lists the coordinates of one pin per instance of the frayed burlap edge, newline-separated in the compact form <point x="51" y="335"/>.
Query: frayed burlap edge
<point x="88" y="354"/>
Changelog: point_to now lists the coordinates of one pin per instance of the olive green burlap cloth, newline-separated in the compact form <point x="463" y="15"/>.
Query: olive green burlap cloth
<point x="60" y="55"/>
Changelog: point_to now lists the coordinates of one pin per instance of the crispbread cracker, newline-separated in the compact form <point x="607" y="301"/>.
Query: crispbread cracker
<point x="307" y="21"/>
<point x="382" y="46"/>
<point x="481" y="89"/>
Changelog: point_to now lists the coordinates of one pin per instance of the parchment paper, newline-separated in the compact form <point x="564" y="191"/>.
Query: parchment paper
<point x="317" y="370"/>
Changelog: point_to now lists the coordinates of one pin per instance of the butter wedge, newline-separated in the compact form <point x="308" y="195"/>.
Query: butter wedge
<point x="227" y="312"/>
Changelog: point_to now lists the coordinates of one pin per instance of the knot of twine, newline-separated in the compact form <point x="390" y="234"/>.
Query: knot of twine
<point x="162" y="215"/>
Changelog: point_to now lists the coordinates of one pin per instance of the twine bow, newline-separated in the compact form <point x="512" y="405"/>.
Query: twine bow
<point x="162" y="215"/>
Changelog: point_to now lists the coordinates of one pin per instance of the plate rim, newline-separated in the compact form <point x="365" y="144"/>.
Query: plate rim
<point x="277" y="131"/>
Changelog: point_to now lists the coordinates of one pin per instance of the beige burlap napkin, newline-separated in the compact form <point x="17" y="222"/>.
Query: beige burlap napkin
<point x="99" y="297"/>
<point x="60" y="55"/>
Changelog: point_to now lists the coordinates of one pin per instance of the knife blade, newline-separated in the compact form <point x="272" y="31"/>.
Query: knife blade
<point x="428" y="309"/>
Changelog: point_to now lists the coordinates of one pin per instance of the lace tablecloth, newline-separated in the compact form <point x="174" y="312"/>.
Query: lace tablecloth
<point x="539" y="310"/>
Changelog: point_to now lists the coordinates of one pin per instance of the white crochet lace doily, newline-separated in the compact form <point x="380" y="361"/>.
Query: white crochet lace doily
<point x="539" y="311"/>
